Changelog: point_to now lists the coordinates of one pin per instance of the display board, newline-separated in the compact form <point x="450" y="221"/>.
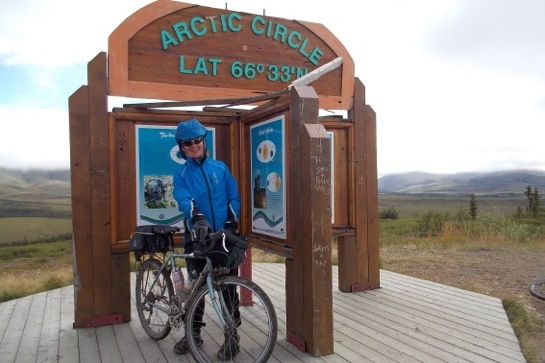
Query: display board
<point x="157" y="156"/>
<point x="267" y="150"/>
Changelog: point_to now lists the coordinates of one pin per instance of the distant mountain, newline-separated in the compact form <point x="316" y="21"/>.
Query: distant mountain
<point x="34" y="181"/>
<point x="35" y="185"/>
<point x="512" y="182"/>
<point x="34" y="175"/>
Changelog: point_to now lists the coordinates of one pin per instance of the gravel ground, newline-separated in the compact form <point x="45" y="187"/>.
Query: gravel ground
<point x="502" y="274"/>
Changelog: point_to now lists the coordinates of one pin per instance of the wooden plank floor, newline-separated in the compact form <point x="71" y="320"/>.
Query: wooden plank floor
<point x="406" y="320"/>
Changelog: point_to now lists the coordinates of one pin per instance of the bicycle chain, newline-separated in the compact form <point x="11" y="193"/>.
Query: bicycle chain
<point x="175" y="316"/>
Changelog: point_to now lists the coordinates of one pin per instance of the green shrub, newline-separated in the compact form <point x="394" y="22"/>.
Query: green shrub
<point x="390" y="213"/>
<point x="431" y="224"/>
<point x="486" y="227"/>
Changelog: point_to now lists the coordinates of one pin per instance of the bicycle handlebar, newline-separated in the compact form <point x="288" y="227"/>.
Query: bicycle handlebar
<point x="165" y="230"/>
<point x="213" y="238"/>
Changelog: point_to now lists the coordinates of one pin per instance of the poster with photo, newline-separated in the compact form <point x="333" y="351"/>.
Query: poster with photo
<point x="268" y="177"/>
<point x="157" y="157"/>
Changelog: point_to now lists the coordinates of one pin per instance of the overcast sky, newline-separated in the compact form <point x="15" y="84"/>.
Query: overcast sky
<point x="457" y="85"/>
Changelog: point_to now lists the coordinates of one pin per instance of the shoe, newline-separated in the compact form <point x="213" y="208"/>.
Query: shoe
<point x="181" y="346"/>
<point x="230" y="348"/>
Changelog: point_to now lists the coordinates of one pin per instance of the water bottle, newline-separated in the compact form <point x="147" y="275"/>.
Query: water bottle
<point x="189" y="284"/>
<point x="179" y="283"/>
<point x="183" y="287"/>
<point x="192" y="277"/>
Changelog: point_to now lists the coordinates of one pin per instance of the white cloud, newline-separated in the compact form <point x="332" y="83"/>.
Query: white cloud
<point x="457" y="85"/>
<point x="507" y="35"/>
<point x="59" y="32"/>
<point x="39" y="138"/>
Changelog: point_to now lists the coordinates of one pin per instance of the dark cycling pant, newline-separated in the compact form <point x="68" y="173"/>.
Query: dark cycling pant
<point x="194" y="268"/>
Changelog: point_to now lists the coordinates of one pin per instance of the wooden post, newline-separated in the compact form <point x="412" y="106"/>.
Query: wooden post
<point x="99" y="132"/>
<point x="359" y="254"/>
<point x="78" y="106"/>
<point x="90" y="154"/>
<point x="309" y="310"/>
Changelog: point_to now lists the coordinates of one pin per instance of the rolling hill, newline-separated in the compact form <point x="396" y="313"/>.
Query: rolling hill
<point x="512" y="182"/>
<point x="28" y="190"/>
<point x="35" y="193"/>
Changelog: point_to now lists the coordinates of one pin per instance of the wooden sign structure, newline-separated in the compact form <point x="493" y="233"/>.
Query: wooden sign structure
<point x="304" y="179"/>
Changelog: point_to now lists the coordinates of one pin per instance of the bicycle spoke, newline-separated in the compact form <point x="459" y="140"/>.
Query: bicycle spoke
<point x="254" y="332"/>
<point x="154" y="294"/>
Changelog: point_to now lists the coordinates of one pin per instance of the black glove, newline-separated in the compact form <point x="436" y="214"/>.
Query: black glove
<point x="201" y="228"/>
<point x="231" y="226"/>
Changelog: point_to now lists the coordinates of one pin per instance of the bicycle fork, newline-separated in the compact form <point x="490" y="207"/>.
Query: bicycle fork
<point x="220" y="306"/>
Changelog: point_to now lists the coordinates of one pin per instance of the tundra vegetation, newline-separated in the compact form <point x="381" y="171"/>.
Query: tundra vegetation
<point x="36" y="252"/>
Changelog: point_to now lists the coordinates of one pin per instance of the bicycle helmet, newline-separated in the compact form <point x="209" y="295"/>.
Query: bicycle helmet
<point x="188" y="130"/>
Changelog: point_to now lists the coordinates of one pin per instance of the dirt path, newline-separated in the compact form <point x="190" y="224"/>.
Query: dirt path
<point x="502" y="274"/>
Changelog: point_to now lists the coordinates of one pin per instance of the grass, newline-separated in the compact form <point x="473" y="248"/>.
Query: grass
<point x="524" y="324"/>
<point x="459" y="229"/>
<point x="16" y="229"/>
<point x="424" y="224"/>
<point x="410" y="206"/>
<point x="27" y="270"/>
<point x="449" y="231"/>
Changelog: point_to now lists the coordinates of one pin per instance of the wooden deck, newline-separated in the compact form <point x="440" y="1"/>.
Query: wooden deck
<point x="406" y="320"/>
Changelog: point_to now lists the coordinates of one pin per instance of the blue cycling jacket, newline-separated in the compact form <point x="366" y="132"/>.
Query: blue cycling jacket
<point x="208" y="188"/>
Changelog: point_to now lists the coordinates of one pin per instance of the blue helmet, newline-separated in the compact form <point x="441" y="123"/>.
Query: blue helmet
<point x="188" y="130"/>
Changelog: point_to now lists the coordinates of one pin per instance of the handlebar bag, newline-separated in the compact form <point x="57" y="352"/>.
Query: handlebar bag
<point x="230" y="251"/>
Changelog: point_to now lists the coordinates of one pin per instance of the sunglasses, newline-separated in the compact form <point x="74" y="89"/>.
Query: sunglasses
<point x="195" y="141"/>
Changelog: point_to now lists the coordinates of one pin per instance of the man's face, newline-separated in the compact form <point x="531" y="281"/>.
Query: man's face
<point x="194" y="148"/>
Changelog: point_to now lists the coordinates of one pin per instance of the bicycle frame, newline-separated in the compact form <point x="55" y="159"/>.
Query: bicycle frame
<point x="207" y="273"/>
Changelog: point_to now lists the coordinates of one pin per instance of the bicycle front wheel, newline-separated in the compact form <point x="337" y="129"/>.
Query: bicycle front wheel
<point x="245" y="330"/>
<point x="154" y="294"/>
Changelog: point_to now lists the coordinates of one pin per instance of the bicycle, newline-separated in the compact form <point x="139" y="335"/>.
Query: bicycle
<point x="161" y="310"/>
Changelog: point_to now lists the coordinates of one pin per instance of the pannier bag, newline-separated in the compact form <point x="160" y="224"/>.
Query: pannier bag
<point x="145" y="240"/>
<point x="229" y="251"/>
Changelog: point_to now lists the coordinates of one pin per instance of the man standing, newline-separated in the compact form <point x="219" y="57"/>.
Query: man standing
<point x="207" y="194"/>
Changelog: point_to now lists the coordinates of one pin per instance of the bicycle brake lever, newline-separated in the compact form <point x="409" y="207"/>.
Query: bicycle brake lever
<point x="213" y="237"/>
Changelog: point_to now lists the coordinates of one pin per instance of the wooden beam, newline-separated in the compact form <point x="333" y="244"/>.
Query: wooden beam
<point x="317" y="73"/>
<point x="229" y="102"/>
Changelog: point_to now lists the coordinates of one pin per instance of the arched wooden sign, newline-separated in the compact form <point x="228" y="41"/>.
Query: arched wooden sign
<point x="179" y="51"/>
<point x="321" y="185"/>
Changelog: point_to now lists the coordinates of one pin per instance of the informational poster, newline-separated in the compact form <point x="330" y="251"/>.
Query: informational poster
<point x="268" y="176"/>
<point x="157" y="157"/>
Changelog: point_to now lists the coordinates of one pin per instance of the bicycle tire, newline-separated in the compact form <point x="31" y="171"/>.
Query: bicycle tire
<point x="154" y="295"/>
<point x="256" y="331"/>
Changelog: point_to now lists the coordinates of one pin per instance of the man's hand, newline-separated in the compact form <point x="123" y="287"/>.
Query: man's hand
<point x="201" y="228"/>
<point x="231" y="225"/>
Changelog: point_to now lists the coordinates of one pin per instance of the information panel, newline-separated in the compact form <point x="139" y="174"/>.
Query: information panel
<point x="157" y="157"/>
<point x="268" y="171"/>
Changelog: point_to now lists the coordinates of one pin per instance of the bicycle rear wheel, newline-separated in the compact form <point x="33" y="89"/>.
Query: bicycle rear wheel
<point x="254" y="332"/>
<point x="154" y="294"/>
